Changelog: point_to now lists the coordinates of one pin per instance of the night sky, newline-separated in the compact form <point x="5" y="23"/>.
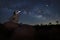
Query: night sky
<point x="32" y="11"/>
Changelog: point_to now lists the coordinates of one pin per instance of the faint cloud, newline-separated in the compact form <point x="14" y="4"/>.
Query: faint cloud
<point x="25" y="12"/>
<point x="46" y="5"/>
<point x="39" y="16"/>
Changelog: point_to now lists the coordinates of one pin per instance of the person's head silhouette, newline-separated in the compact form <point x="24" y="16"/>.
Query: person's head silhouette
<point x="16" y="12"/>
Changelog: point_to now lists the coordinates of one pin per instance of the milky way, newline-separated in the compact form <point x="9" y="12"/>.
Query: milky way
<point x="32" y="11"/>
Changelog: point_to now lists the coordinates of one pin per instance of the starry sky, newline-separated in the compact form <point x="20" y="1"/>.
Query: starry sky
<point x="32" y="11"/>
